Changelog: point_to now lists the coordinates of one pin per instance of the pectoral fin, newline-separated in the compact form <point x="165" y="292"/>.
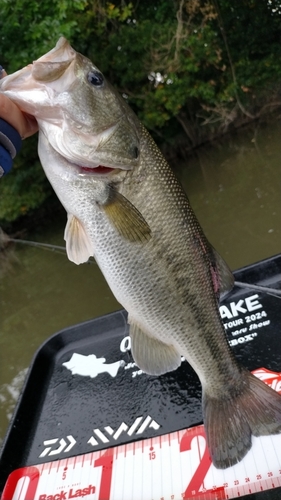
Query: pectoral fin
<point x="78" y="245"/>
<point x="128" y="221"/>
<point x="150" y="354"/>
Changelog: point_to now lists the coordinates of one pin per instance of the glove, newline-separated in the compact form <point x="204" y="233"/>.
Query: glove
<point x="10" y="144"/>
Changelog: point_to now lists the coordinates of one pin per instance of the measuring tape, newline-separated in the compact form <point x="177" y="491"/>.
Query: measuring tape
<point x="174" y="466"/>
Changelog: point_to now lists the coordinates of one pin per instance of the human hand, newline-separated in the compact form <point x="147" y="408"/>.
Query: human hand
<point x="25" y="124"/>
<point x="14" y="126"/>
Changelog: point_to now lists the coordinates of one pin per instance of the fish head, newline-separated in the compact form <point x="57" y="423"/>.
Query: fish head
<point x="84" y="119"/>
<point x="89" y="142"/>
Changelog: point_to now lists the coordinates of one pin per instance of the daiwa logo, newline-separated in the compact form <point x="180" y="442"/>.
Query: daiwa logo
<point x="138" y="427"/>
<point x="62" y="446"/>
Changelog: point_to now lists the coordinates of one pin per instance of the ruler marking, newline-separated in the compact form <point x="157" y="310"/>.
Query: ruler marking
<point x="154" y="468"/>
<point x="256" y="473"/>
<point x="132" y="462"/>
<point x="200" y="458"/>
<point x="266" y="461"/>
<point x="267" y="484"/>
<point x="274" y="449"/>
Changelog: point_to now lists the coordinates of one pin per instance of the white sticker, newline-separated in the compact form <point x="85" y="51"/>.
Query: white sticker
<point x="91" y="366"/>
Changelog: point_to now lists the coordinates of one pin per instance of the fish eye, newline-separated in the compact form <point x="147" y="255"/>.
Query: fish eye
<point x="95" y="78"/>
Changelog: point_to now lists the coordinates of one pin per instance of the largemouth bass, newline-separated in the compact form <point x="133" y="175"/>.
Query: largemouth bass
<point x="126" y="208"/>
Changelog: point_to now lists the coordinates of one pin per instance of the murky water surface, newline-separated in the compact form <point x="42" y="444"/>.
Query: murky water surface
<point x="234" y="187"/>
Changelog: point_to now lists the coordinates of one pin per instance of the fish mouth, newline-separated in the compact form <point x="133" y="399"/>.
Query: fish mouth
<point x="39" y="80"/>
<point x="100" y="170"/>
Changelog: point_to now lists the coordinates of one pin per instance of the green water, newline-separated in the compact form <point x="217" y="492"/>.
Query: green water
<point x="234" y="188"/>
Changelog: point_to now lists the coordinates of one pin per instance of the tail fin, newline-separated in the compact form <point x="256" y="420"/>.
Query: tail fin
<point x="230" y="422"/>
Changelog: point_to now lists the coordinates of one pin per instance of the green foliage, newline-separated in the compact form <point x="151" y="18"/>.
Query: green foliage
<point x="187" y="67"/>
<point x="25" y="188"/>
<point x="29" y="28"/>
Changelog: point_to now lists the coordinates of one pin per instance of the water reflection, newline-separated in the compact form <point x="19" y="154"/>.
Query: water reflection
<point x="234" y="188"/>
<point x="10" y="392"/>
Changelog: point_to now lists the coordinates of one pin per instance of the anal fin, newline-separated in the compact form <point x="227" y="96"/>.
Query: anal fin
<point x="152" y="355"/>
<point x="78" y="245"/>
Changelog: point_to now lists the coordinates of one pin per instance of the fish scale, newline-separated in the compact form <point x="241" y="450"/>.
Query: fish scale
<point x="137" y="222"/>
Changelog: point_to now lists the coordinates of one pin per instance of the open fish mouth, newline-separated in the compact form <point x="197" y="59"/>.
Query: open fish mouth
<point x="100" y="170"/>
<point x="73" y="112"/>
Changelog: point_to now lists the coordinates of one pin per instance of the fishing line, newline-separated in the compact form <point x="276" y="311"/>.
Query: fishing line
<point x="47" y="246"/>
<point x="260" y="288"/>
<point x="5" y="239"/>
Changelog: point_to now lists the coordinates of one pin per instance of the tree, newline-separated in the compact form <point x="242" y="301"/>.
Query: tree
<point x="189" y="68"/>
